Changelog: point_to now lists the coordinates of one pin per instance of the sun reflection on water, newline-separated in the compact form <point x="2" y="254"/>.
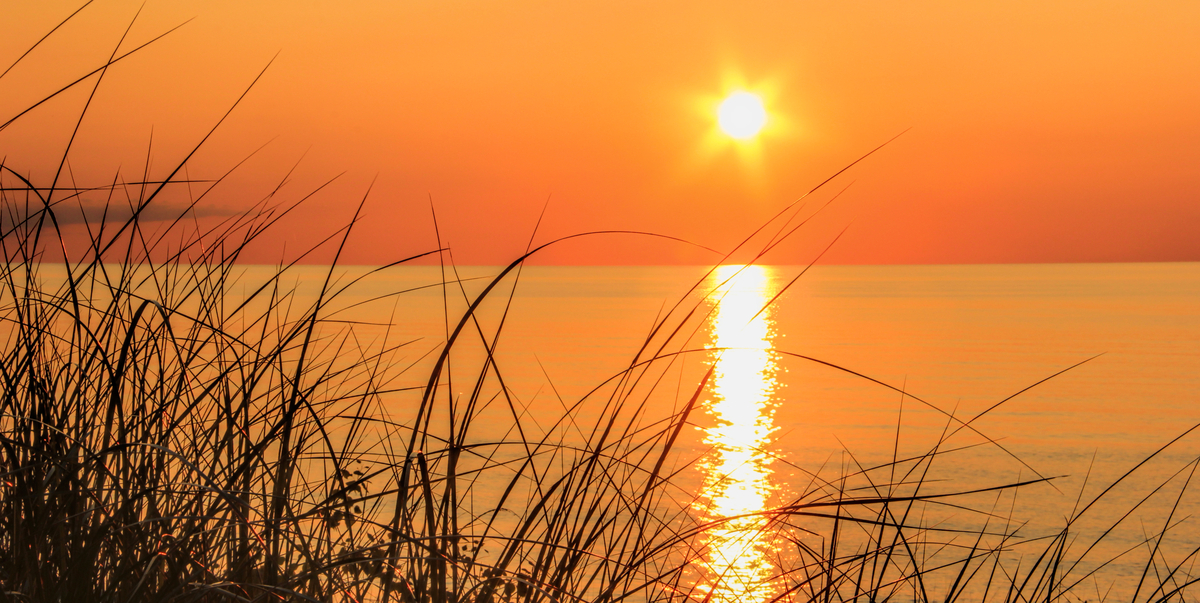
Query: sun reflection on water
<point x="737" y="474"/>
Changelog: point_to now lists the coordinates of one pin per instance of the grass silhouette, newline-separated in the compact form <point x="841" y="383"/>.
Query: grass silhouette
<point x="173" y="429"/>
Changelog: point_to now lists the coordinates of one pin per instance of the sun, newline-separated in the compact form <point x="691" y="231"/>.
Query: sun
<point x="742" y="115"/>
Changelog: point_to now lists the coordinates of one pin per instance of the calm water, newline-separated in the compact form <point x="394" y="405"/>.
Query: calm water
<point x="774" y="424"/>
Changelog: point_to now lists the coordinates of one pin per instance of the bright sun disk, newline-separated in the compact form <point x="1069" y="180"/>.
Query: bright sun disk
<point x="741" y="115"/>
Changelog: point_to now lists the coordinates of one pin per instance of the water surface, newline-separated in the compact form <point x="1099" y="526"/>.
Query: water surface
<point x="795" y="398"/>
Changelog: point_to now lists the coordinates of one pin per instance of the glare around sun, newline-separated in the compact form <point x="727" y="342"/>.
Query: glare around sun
<point x="741" y="115"/>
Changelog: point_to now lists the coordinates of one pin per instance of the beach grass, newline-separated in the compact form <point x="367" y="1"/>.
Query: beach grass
<point x="175" y="428"/>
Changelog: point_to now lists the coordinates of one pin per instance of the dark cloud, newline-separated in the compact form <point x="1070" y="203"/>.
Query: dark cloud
<point x="93" y="213"/>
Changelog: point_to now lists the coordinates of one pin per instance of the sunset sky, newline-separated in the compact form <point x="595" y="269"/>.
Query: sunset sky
<point x="1034" y="131"/>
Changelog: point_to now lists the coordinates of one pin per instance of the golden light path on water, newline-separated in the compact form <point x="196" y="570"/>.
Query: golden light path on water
<point x="737" y="474"/>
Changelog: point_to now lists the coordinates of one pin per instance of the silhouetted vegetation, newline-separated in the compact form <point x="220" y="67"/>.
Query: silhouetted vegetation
<point x="173" y="427"/>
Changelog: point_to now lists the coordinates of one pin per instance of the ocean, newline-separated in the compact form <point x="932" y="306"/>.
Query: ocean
<point x="844" y="381"/>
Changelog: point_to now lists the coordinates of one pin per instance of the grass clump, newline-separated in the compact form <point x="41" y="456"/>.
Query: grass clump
<point x="174" y="427"/>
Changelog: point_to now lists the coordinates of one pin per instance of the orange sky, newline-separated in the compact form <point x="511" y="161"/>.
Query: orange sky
<point x="1040" y="131"/>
